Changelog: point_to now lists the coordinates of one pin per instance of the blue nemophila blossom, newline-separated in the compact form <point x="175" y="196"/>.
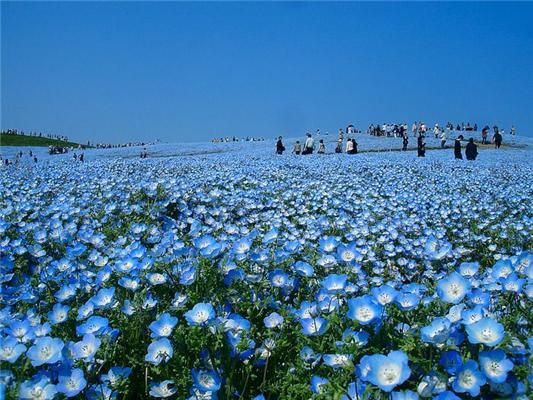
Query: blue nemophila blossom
<point x="314" y="326"/>
<point x="86" y="348"/>
<point x="495" y="365"/>
<point x="435" y="249"/>
<point x="200" y="315"/>
<point x="273" y="320"/>
<point x="71" y="383"/>
<point x="469" y="269"/>
<point x="485" y="331"/>
<point x="206" y="380"/>
<point x="335" y="283"/>
<point x="39" y="388"/>
<point x="278" y="278"/>
<point x="453" y="288"/>
<point x="469" y="379"/>
<point x="21" y="330"/>
<point x="405" y="395"/>
<point x="101" y="392"/>
<point x="10" y="349"/>
<point x="159" y="351"/>
<point x="58" y="314"/>
<point x="318" y="383"/>
<point x="451" y="361"/>
<point x="162" y="389"/>
<point x="45" y="350"/>
<point x="364" y="309"/>
<point x="116" y="375"/>
<point x="384" y="294"/>
<point x="447" y="395"/>
<point x="163" y="326"/>
<point x="337" y="360"/>
<point x="104" y="298"/>
<point x="437" y="332"/>
<point x="95" y="325"/>
<point x="387" y="372"/>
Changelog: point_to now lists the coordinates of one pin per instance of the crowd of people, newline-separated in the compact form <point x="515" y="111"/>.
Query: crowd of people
<point x="228" y="139"/>
<point x="35" y="134"/>
<point x="19" y="156"/>
<point x="419" y="130"/>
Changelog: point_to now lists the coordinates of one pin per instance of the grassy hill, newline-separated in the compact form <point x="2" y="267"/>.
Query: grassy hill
<point x="23" y="140"/>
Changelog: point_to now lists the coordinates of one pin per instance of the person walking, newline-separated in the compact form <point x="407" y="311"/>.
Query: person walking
<point x="471" y="150"/>
<point x="279" y="146"/>
<point x="321" y="147"/>
<point x="309" y="145"/>
<point x="421" y="146"/>
<point x="442" y="139"/>
<point x="457" y="148"/>
<point x="414" y="128"/>
<point x="297" y="149"/>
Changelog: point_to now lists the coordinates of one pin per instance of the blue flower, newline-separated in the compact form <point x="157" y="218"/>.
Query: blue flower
<point x="364" y="309"/>
<point x="206" y="380"/>
<point x="86" y="348"/>
<point x="162" y="389"/>
<point x="58" y="314"/>
<point x="495" y="365"/>
<point x="104" y="298"/>
<point x="10" y="349"/>
<point x="163" y="326"/>
<point x="159" y="351"/>
<point x="387" y="372"/>
<point x="406" y="395"/>
<point x="337" y="360"/>
<point x="335" y="283"/>
<point x="278" y="278"/>
<point x="95" y="325"/>
<point x="453" y="288"/>
<point x="318" y="383"/>
<point x="45" y="350"/>
<point x="72" y="383"/>
<point x="446" y="395"/>
<point x="200" y="315"/>
<point x="486" y="331"/>
<point x="451" y="360"/>
<point x="273" y="320"/>
<point x="437" y="332"/>
<point x="41" y="386"/>
<point x="384" y="294"/>
<point x="469" y="379"/>
<point x="314" y="326"/>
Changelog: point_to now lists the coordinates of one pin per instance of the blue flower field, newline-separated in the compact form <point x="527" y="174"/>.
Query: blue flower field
<point x="227" y="272"/>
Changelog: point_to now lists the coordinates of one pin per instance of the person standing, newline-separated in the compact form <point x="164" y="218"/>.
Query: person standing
<point x="338" y="149"/>
<point x="484" y="135"/>
<point x="471" y="150"/>
<point x="414" y="128"/>
<point x="405" y="141"/>
<point x="513" y="130"/>
<point x="279" y="146"/>
<point x="497" y="138"/>
<point x="309" y="145"/>
<point x="321" y="147"/>
<point x="297" y="149"/>
<point x="421" y="146"/>
<point x="442" y="139"/>
<point x="436" y="131"/>
<point x="349" y="147"/>
<point x="457" y="148"/>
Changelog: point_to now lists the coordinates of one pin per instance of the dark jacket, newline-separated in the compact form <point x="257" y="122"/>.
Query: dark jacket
<point x="279" y="147"/>
<point x="471" y="151"/>
<point x="457" y="149"/>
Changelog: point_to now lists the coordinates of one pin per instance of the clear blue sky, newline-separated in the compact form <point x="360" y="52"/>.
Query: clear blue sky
<point x="188" y="71"/>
